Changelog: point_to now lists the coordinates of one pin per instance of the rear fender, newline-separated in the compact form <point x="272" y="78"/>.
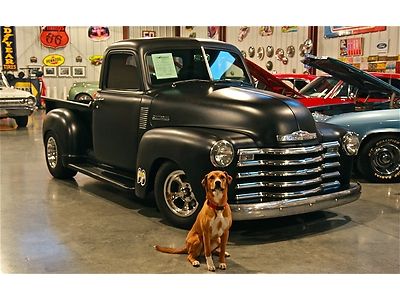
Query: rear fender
<point x="73" y="134"/>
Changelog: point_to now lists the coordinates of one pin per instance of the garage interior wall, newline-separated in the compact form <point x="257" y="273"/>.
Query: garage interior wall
<point x="28" y="45"/>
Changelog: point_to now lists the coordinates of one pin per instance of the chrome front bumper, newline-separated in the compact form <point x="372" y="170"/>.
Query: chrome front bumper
<point x="295" y="206"/>
<point x="17" y="111"/>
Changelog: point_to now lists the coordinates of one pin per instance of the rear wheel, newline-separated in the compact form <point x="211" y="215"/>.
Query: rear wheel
<point x="21" y="121"/>
<point x="174" y="196"/>
<point x="53" y="158"/>
<point x="379" y="159"/>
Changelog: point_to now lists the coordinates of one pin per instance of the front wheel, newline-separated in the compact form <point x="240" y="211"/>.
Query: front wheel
<point x="174" y="196"/>
<point x="53" y="158"/>
<point x="379" y="159"/>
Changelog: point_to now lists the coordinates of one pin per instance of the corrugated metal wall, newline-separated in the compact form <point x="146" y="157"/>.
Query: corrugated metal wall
<point x="28" y="45"/>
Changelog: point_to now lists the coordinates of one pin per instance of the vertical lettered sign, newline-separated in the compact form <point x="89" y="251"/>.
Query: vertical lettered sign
<point x="8" y="48"/>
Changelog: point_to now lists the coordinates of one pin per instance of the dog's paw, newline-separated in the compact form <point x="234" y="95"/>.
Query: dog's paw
<point x="210" y="264"/>
<point x="222" y="266"/>
<point x="211" y="268"/>
<point x="196" y="264"/>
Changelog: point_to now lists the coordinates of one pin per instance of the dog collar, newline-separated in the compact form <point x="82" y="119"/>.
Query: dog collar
<point x="214" y="206"/>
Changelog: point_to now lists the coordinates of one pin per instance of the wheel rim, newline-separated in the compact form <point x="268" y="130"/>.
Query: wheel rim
<point x="52" y="153"/>
<point x="385" y="159"/>
<point x="178" y="194"/>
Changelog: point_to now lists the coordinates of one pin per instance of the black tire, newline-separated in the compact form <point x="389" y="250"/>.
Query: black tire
<point x="379" y="159"/>
<point x="174" y="196"/>
<point x="53" y="155"/>
<point x="21" y="121"/>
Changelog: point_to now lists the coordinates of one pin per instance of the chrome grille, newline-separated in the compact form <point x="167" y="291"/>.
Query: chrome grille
<point x="270" y="174"/>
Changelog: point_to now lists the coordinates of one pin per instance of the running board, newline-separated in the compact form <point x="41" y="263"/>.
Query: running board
<point x="118" y="180"/>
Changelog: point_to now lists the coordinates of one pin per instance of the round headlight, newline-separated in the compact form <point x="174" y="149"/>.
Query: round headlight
<point x="222" y="153"/>
<point x="351" y="143"/>
<point x="31" y="101"/>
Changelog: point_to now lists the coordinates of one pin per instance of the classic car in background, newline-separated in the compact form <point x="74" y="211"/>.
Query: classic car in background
<point x="296" y="81"/>
<point x="378" y="157"/>
<point x="350" y="83"/>
<point x="346" y="90"/>
<point x="83" y="91"/>
<point x="15" y="103"/>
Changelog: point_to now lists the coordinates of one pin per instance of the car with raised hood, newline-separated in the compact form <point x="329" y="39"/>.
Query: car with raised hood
<point x="169" y="110"/>
<point x="15" y="103"/>
<point x="347" y="89"/>
<point x="296" y="80"/>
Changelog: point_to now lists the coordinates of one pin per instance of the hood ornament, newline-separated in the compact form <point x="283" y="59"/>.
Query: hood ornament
<point x="300" y="135"/>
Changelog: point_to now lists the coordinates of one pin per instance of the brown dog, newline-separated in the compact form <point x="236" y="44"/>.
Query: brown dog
<point x="211" y="228"/>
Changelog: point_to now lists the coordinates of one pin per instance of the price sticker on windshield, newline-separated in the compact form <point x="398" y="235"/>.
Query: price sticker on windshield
<point x="164" y="65"/>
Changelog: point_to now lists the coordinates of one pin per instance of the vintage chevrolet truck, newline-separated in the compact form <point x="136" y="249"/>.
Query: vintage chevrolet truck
<point x="169" y="110"/>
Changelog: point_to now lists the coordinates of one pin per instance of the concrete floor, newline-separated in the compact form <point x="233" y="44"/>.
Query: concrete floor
<point x="85" y="226"/>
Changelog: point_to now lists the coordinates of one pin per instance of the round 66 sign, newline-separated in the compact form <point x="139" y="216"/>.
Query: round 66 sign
<point x="54" y="37"/>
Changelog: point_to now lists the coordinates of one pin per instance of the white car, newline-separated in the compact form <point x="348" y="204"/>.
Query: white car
<point x="14" y="103"/>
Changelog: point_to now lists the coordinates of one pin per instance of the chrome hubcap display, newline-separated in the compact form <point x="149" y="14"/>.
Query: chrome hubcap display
<point x="178" y="194"/>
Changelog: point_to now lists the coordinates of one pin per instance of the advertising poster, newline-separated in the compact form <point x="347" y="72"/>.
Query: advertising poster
<point x="8" y="48"/>
<point x="336" y="31"/>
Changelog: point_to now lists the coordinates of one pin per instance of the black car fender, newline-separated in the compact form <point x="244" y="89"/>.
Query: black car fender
<point x="74" y="137"/>
<point x="188" y="147"/>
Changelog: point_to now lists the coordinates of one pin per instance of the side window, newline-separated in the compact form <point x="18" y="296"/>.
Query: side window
<point x="122" y="72"/>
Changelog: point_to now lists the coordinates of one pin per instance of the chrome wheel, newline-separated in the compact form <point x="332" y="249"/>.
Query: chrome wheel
<point x="385" y="159"/>
<point x="178" y="194"/>
<point x="52" y="153"/>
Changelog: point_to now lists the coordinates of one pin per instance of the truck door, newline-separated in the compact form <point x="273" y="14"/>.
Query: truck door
<point x="116" y="111"/>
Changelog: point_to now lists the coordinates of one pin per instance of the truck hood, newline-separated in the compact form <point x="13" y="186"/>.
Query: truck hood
<point x="349" y="74"/>
<point x="12" y="93"/>
<point x="259" y="114"/>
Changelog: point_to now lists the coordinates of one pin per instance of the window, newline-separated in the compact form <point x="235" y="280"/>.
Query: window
<point x="122" y="72"/>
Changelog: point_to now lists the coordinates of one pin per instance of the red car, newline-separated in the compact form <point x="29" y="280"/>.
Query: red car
<point x="348" y="89"/>
<point x="296" y="81"/>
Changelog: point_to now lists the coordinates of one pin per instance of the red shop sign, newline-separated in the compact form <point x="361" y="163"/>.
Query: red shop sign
<point x="54" y="37"/>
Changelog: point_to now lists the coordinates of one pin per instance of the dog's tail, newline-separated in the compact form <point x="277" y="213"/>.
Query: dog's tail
<point x="182" y="250"/>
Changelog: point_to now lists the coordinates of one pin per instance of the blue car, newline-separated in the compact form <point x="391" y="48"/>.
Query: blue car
<point x="377" y="124"/>
<point x="378" y="158"/>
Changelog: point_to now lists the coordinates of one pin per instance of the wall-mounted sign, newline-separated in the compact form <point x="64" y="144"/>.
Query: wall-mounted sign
<point x="8" y="48"/>
<point x="148" y="33"/>
<point x="351" y="47"/>
<point x="98" y="33"/>
<point x="336" y="31"/>
<point x="286" y="29"/>
<point x="382" y="46"/>
<point x="213" y="32"/>
<point x="96" y="59"/>
<point x="54" y="36"/>
<point x="53" y="60"/>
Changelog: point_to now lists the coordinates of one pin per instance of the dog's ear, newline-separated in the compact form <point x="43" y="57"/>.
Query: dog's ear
<point x="228" y="177"/>
<point x="204" y="182"/>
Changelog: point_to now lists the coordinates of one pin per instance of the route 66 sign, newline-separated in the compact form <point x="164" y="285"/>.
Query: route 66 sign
<point x="54" y="36"/>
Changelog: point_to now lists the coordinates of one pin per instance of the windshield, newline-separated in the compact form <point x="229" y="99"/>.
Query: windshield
<point x="319" y="87"/>
<point x="174" y="65"/>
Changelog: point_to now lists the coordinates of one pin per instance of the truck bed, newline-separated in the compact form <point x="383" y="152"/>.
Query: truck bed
<point x="52" y="103"/>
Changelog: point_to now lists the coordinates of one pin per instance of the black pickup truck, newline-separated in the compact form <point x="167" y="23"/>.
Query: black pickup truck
<point x="169" y="110"/>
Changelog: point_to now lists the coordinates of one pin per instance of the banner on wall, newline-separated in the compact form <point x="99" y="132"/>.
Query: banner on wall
<point x="336" y="31"/>
<point x="351" y="47"/>
<point x="54" y="36"/>
<point x="8" y="48"/>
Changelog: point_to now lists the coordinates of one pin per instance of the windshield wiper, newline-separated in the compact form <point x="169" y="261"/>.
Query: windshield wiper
<point x="241" y="82"/>
<point x="189" y="80"/>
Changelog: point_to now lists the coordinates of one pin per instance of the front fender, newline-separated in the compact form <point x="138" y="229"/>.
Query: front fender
<point x="188" y="147"/>
<point x="73" y="134"/>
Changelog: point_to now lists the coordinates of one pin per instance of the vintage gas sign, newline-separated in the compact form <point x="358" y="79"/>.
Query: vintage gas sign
<point x="54" y="37"/>
<point x="8" y="48"/>
<point x="53" y="60"/>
